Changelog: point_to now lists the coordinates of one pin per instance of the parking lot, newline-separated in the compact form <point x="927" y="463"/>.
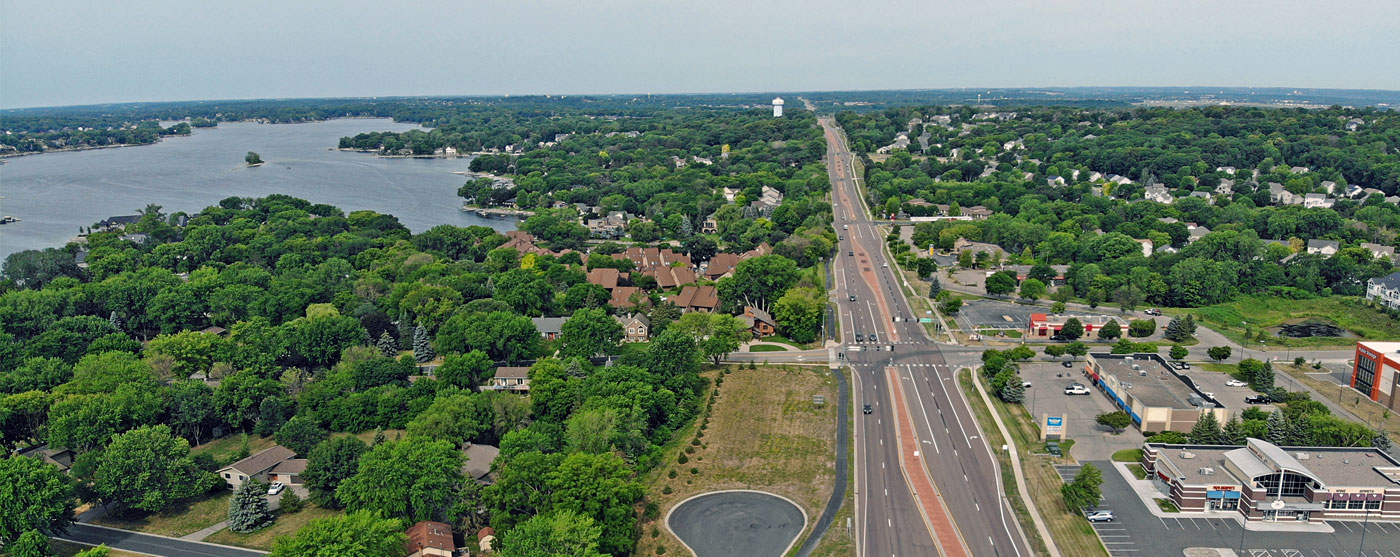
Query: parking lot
<point x="1232" y="397"/>
<point x="1047" y="396"/>
<point x="1137" y="532"/>
<point x="990" y="314"/>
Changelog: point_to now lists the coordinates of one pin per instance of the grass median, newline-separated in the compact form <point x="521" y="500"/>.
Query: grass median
<point x="1073" y="535"/>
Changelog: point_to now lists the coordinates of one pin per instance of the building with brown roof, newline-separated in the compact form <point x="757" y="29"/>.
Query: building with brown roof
<point x="671" y="277"/>
<point x="721" y="265"/>
<point x="256" y="466"/>
<point x="288" y="471"/>
<point x="697" y="298"/>
<point x="606" y="278"/>
<point x="759" y="322"/>
<point x="636" y="327"/>
<point x="509" y="379"/>
<point x="428" y="538"/>
<point x="622" y="297"/>
<point x="650" y="258"/>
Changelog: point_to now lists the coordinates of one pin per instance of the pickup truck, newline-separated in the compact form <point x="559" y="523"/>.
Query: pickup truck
<point x="1076" y="390"/>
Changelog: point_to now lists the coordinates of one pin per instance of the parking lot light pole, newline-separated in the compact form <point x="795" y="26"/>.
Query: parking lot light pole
<point x="1360" y="549"/>
<point x="1242" y="528"/>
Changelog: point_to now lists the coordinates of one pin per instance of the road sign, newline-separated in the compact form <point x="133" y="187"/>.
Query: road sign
<point x="926" y="320"/>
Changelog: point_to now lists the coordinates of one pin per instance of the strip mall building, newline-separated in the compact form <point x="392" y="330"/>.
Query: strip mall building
<point x="1375" y="372"/>
<point x="1265" y="482"/>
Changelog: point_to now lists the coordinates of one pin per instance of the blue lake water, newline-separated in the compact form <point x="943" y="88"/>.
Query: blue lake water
<point x="55" y="193"/>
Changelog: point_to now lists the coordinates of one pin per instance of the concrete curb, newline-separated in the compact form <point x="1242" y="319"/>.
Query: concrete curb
<point x="673" y="508"/>
<point x="1021" y="488"/>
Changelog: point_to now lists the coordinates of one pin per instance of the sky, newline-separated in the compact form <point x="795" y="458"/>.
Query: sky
<point x="62" y="52"/>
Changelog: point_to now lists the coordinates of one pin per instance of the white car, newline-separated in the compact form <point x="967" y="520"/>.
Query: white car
<point x="1100" y="516"/>
<point x="276" y="488"/>
<point x="1235" y="383"/>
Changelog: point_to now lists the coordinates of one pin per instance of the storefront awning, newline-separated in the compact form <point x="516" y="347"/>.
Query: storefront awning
<point x="1212" y="494"/>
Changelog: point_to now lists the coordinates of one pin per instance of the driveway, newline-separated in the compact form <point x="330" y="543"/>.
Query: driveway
<point x="152" y="545"/>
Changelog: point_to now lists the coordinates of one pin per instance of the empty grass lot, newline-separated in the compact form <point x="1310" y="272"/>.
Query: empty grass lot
<point x="764" y="433"/>
<point x="1350" y="313"/>
<point x="223" y="449"/>
<point x="285" y="525"/>
<point x="182" y="518"/>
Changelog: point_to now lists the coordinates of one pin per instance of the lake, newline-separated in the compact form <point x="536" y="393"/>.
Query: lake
<point x="55" y="193"/>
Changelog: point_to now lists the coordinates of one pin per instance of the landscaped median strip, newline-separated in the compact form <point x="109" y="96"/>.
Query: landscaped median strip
<point x="930" y="502"/>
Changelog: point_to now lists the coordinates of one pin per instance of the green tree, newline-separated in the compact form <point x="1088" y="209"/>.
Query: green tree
<point x="247" y="509"/>
<point x="34" y="496"/>
<point x="301" y="434"/>
<point x="1014" y="391"/>
<point x="1110" y="331"/>
<point x="291" y="502"/>
<point x="359" y="533"/>
<point x="557" y="534"/>
<point x="1259" y="375"/>
<point x="464" y="371"/>
<point x="387" y="345"/>
<point x="1055" y="350"/>
<point x="1141" y="327"/>
<point x="31" y="543"/>
<point x="413" y="478"/>
<point x="1001" y="283"/>
<point x="501" y="335"/>
<point x="601" y="487"/>
<point x="1117" y="421"/>
<point x="1058" y="307"/>
<point x="148" y="468"/>
<point x="457" y="418"/>
<point x="934" y="288"/>
<point x="951" y="306"/>
<point x="1072" y="329"/>
<point x="1219" y="353"/>
<point x="589" y="332"/>
<point x="329" y="464"/>
<point x="758" y="281"/>
<point x="1206" y="431"/>
<point x="716" y="334"/>
<point x="1178" y="352"/>
<point x="253" y="159"/>
<point x="422" y="347"/>
<point x="1176" y="330"/>
<point x="1077" y="349"/>
<point x="1233" y="433"/>
<point x="321" y="340"/>
<point x="799" y="313"/>
<point x="1085" y="490"/>
<point x="1032" y="289"/>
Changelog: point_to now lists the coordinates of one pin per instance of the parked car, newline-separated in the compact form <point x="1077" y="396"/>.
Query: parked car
<point x="276" y="488"/>
<point x="1152" y="311"/>
<point x="867" y="409"/>
<point x="1183" y="365"/>
<point x="1067" y="364"/>
<point x="1235" y="383"/>
<point x="1059" y="338"/>
<point x="1256" y="399"/>
<point x="1025" y="384"/>
<point x="1076" y="390"/>
<point x="1099" y="516"/>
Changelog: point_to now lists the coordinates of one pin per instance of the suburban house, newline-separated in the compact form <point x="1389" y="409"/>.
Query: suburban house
<point x="721" y="265"/>
<point x="115" y="223"/>
<point x="1146" y="247"/>
<point x="260" y="467"/>
<point x="622" y="297"/>
<point x="1317" y="201"/>
<point x="1385" y="290"/>
<point x="1158" y="193"/>
<point x="509" y="378"/>
<point x="61" y="458"/>
<point x="1194" y="232"/>
<point x="977" y="212"/>
<point x="429" y="539"/>
<point x="697" y="298"/>
<point x="486" y="538"/>
<point x="610" y="226"/>
<point x="759" y="322"/>
<point x="635" y="327"/>
<point x="524" y="242"/>
<point x="1379" y="251"/>
<point x="671" y="277"/>
<point x="477" y="463"/>
<point x="549" y="327"/>
<point x="1326" y="248"/>
<point x="1225" y="187"/>
<point x="709" y="226"/>
<point x="606" y="278"/>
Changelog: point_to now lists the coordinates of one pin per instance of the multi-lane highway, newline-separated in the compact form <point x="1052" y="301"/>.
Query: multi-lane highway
<point x="968" y="515"/>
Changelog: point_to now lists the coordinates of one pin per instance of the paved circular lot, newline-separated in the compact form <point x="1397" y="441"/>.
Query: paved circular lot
<point x="725" y="523"/>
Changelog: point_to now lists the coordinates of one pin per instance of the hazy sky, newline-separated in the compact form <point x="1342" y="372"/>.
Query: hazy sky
<point x="61" y="52"/>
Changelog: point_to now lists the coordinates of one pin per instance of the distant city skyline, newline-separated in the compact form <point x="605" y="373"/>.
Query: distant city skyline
<point x="61" y="52"/>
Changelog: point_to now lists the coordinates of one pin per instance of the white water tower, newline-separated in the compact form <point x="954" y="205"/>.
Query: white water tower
<point x="778" y="107"/>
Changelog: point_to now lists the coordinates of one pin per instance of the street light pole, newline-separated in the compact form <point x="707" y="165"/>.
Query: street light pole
<point x="1360" y="549"/>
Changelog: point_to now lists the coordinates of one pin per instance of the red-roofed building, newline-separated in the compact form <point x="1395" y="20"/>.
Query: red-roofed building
<point x="1043" y="325"/>
<point x="429" y="538"/>
<point x="697" y="298"/>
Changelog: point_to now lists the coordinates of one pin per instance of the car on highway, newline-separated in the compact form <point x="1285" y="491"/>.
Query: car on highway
<point x="860" y="337"/>
<point x="872" y="337"/>
<point x="853" y="297"/>
<point x="891" y="348"/>
<point x="1067" y="364"/>
<point x="1076" y="389"/>
<point x="1152" y="311"/>
<point x="1235" y="383"/>
<point x="845" y="226"/>
<point x="851" y="253"/>
<point x="276" y="488"/>
<point x="1256" y="399"/>
<point x="1099" y="516"/>
<point x="867" y="409"/>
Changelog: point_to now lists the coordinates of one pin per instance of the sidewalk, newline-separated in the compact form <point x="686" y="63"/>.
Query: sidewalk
<point x="200" y="535"/>
<point x="1147" y="492"/>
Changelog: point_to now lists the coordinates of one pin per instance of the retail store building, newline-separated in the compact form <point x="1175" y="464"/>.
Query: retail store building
<point x="1151" y="391"/>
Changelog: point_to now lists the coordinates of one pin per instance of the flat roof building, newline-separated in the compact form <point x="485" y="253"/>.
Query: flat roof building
<point x="1376" y="372"/>
<point x="1046" y="325"/>
<point x="1151" y="392"/>
<point x="1265" y="482"/>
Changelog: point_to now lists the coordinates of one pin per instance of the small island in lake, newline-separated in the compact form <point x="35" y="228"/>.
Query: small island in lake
<point x="253" y="159"/>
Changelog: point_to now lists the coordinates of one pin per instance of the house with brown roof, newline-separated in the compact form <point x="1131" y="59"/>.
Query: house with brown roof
<point x="605" y="277"/>
<point x="485" y="538"/>
<point x="61" y="458"/>
<point x="288" y="471"/>
<point x="644" y="259"/>
<point x="697" y="298"/>
<point x="429" y="539"/>
<point x="671" y="277"/>
<point x="509" y="378"/>
<point x="636" y="327"/>
<point x="759" y="322"/>
<point x="622" y="297"/>
<point x="721" y="265"/>
<point x="476" y="464"/>
<point x="258" y="466"/>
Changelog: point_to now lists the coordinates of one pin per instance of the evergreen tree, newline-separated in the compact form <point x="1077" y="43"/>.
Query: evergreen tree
<point x="1014" y="391"/>
<point x="934" y="288"/>
<point x="422" y="345"/>
<point x="1278" y="428"/>
<point x="247" y="510"/>
<point x="687" y="229"/>
<point x="291" y="502"/>
<point x="405" y="331"/>
<point x="1381" y="441"/>
<point x="1206" y="431"/>
<point x="1189" y="325"/>
<point x="387" y="345"/>
<point x="1233" y="433"/>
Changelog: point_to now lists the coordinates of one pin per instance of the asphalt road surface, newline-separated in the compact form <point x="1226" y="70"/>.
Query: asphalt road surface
<point x="954" y="452"/>
<point x="152" y="545"/>
<point x="737" y="523"/>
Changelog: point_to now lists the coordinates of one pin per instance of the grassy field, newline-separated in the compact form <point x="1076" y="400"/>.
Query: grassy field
<point x="767" y="348"/>
<point x="183" y="518"/>
<point x="763" y="433"/>
<point x="285" y="525"/>
<point x="63" y="548"/>
<point x="1073" y="535"/>
<point x="223" y="449"/>
<point x="1350" y="313"/>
